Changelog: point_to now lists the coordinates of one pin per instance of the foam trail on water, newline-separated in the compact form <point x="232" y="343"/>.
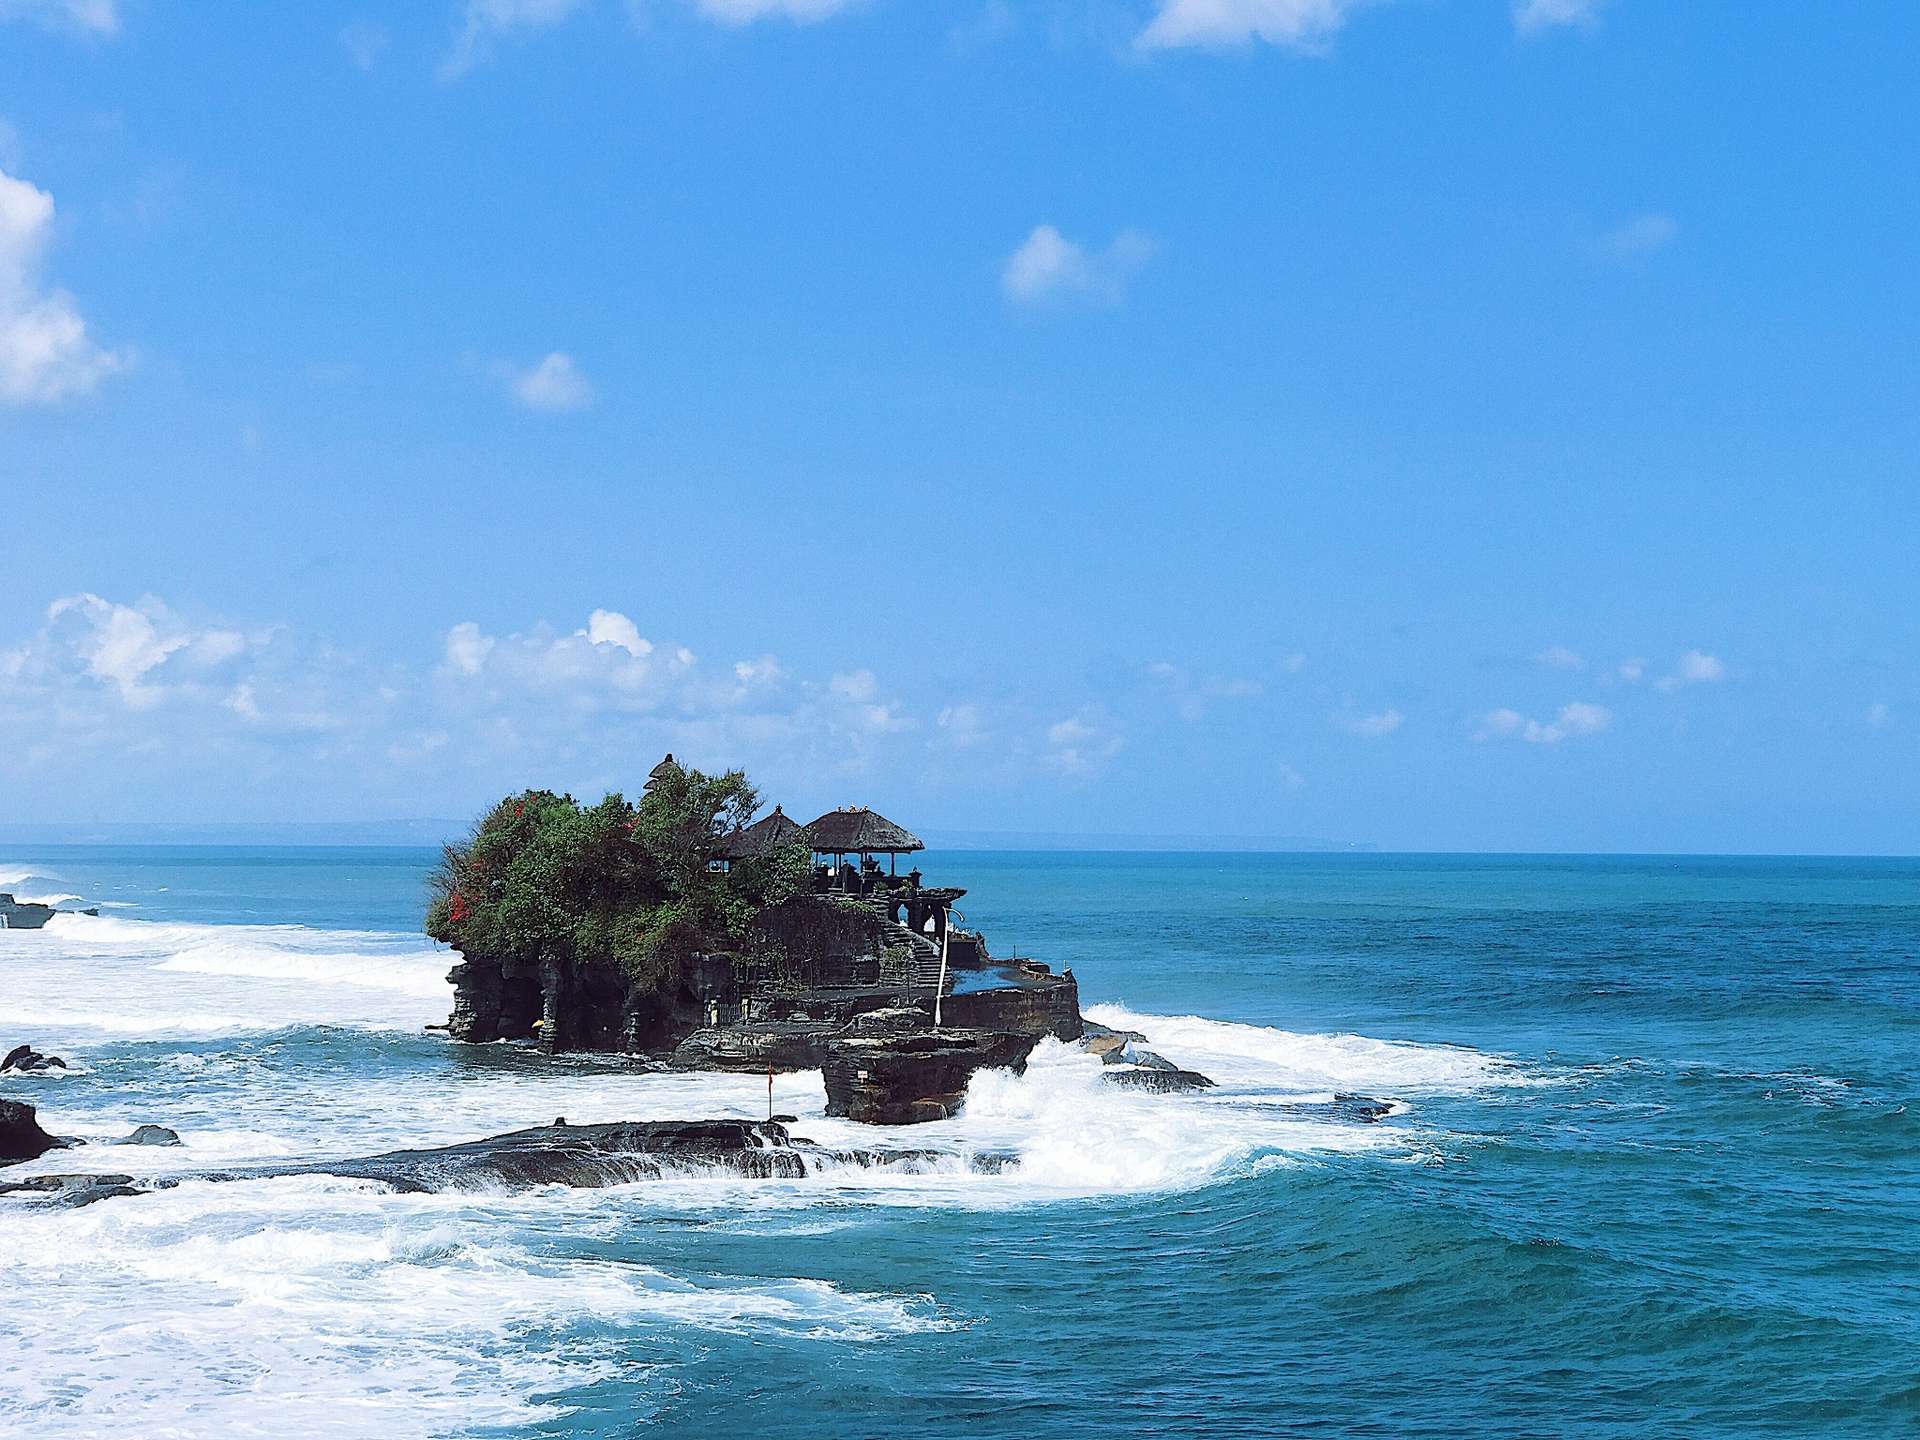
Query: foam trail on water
<point x="1259" y="1057"/>
<point x="309" y="1306"/>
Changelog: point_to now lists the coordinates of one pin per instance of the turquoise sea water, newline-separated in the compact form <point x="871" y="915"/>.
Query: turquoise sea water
<point x="1654" y="1169"/>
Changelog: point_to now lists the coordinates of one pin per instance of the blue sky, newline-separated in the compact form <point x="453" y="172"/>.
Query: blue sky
<point x="1439" y="425"/>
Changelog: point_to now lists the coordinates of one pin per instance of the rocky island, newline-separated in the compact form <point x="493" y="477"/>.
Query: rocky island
<point x="682" y="929"/>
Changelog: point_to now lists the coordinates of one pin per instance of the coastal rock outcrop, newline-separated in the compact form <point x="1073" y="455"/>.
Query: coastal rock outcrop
<point x="31" y="914"/>
<point x="21" y="1137"/>
<point x="582" y="1156"/>
<point x="150" y="1135"/>
<point x="879" y="1072"/>
<point x="77" y="1189"/>
<point x="26" y="1060"/>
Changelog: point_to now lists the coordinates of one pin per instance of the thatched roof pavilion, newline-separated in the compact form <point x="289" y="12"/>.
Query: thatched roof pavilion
<point x="762" y="837"/>
<point x="662" y="771"/>
<point x="857" y="830"/>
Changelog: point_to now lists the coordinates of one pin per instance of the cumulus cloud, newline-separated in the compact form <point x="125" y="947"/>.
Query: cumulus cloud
<point x="1303" y="25"/>
<point x="1576" y="718"/>
<point x="1383" y="722"/>
<point x="1082" y="743"/>
<point x="606" y="664"/>
<point x="1633" y="671"/>
<point x="1638" y="237"/>
<point x="153" y="705"/>
<point x="88" y="17"/>
<point x="1534" y="17"/>
<point x="46" y="354"/>
<point x="483" y="22"/>
<point x="1048" y="268"/>
<point x="1696" y="667"/>
<point x="556" y="385"/>
<point x="1879" y="715"/>
<point x="139" y="651"/>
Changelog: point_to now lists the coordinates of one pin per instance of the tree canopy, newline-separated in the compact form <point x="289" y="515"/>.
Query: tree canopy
<point x="617" y="884"/>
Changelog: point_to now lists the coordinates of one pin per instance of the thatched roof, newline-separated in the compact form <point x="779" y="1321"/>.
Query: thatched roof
<point x="666" y="767"/>
<point x="764" y="835"/>
<point x="859" y="831"/>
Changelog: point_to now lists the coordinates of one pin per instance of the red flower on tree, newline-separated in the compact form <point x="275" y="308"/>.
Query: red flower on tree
<point x="460" y="909"/>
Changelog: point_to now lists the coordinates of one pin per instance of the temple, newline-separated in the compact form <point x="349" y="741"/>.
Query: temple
<point x="868" y="971"/>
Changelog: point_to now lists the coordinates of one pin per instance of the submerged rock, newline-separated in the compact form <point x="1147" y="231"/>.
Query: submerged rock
<point x="73" y="1189"/>
<point x="1163" y="1078"/>
<point x="1360" y="1109"/>
<point x="21" y="1137"/>
<point x="596" y="1156"/>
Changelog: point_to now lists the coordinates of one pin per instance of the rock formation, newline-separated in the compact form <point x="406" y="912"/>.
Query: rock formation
<point x="31" y="914"/>
<point x="21" y="1137"/>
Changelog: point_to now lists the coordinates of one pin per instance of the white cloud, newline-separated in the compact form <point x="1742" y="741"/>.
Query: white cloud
<point x="485" y="21"/>
<point x="1533" y="17"/>
<point x="745" y="12"/>
<point x="961" y="727"/>
<point x="1633" y="671"/>
<point x="1694" y="668"/>
<point x="555" y="385"/>
<point x="147" y="703"/>
<point x="1081" y="743"/>
<point x="45" y="352"/>
<point x="363" y="40"/>
<point x="758" y="673"/>
<point x="1577" y="718"/>
<point x="1384" y="722"/>
<point x="1304" y="25"/>
<point x="1638" y="237"/>
<point x="610" y="627"/>
<point x="1559" y="657"/>
<point x="467" y="648"/>
<point x="122" y="644"/>
<point x="1048" y="267"/>
<point x="89" y="17"/>
<point x="1697" y="668"/>
<point x="1879" y="716"/>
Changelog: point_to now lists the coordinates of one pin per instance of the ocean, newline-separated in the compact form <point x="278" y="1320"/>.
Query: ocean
<point x="1652" y="1169"/>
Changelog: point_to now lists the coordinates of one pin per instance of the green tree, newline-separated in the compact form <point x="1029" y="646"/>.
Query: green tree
<point x="543" y="877"/>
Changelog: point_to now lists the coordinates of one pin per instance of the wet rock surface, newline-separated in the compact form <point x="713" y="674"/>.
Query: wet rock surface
<point x="25" y="1060"/>
<point x="31" y="914"/>
<point x="21" y="1137"/>
<point x="582" y="1156"/>
<point x="150" y="1135"/>
<point x="72" y="1189"/>
<point x="1164" y="1078"/>
<point x="595" y="1156"/>
<point x="880" y="1072"/>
